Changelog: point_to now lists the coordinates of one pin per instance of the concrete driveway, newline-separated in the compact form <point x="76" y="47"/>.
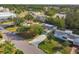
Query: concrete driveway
<point x="23" y="44"/>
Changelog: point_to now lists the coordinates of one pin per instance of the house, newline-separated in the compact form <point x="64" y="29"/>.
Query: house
<point x="64" y="35"/>
<point x="60" y="15"/>
<point x="41" y="18"/>
<point x="6" y="14"/>
<point x="74" y="38"/>
<point x="2" y="9"/>
<point x="38" y="16"/>
<point x="60" y="34"/>
<point x="49" y="26"/>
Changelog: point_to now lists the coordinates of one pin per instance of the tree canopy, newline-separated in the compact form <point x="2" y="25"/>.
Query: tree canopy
<point x="72" y="21"/>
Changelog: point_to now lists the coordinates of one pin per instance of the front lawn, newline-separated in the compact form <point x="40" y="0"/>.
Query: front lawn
<point x="50" y="46"/>
<point x="9" y="48"/>
<point x="7" y="22"/>
<point x="12" y="29"/>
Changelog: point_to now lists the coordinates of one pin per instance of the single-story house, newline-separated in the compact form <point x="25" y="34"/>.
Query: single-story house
<point x="5" y="15"/>
<point x="2" y="9"/>
<point x="60" y="15"/>
<point x="60" y="34"/>
<point x="49" y="26"/>
<point x="41" y="18"/>
<point x="38" y="16"/>
<point x="74" y="38"/>
<point x="64" y="35"/>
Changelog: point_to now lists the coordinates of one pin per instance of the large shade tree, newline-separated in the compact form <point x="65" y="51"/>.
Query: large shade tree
<point x="56" y="21"/>
<point x="72" y="21"/>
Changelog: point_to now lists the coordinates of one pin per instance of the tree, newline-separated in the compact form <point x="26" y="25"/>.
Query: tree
<point x="28" y="17"/>
<point x="18" y="21"/>
<point x="50" y="12"/>
<point x="37" y="29"/>
<point x="18" y="51"/>
<point x="72" y="21"/>
<point x="23" y="29"/>
<point x="8" y="48"/>
<point x="56" y="21"/>
<point x="30" y="32"/>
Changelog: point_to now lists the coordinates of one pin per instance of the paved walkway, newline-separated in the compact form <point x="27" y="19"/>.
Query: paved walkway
<point x="23" y="45"/>
<point x="38" y="40"/>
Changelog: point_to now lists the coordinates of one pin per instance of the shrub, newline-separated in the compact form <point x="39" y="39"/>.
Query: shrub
<point x="18" y="52"/>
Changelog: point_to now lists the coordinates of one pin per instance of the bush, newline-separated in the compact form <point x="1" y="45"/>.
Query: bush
<point x="19" y="21"/>
<point x="50" y="12"/>
<point x="22" y="29"/>
<point x="8" y="48"/>
<point x="18" y="52"/>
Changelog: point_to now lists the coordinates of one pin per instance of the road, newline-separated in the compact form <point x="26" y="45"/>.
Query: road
<point x="22" y="44"/>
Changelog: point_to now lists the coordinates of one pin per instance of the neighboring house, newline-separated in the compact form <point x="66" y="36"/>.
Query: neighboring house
<point x="60" y="34"/>
<point x="6" y="14"/>
<point x="49" y="26"/>
<point x="60" y="15"/>
<point x="41" y="18"/>
<point x="2" y="9"/>
<point x="38" y="16"/>
<point x="64" y="35"/>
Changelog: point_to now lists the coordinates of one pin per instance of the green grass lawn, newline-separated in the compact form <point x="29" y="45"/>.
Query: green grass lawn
<point x="50" y="46"/>
<point x="7" y="22"/>
<point x="12" y="29"/>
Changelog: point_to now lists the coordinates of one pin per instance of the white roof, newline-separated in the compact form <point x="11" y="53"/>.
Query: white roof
<point x="60" y="15"/>
<point x="4" y="15"/>
<point x="48" y="25"/>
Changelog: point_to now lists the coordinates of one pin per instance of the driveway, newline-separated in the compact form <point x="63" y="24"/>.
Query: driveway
<point x="23" y="44"/>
